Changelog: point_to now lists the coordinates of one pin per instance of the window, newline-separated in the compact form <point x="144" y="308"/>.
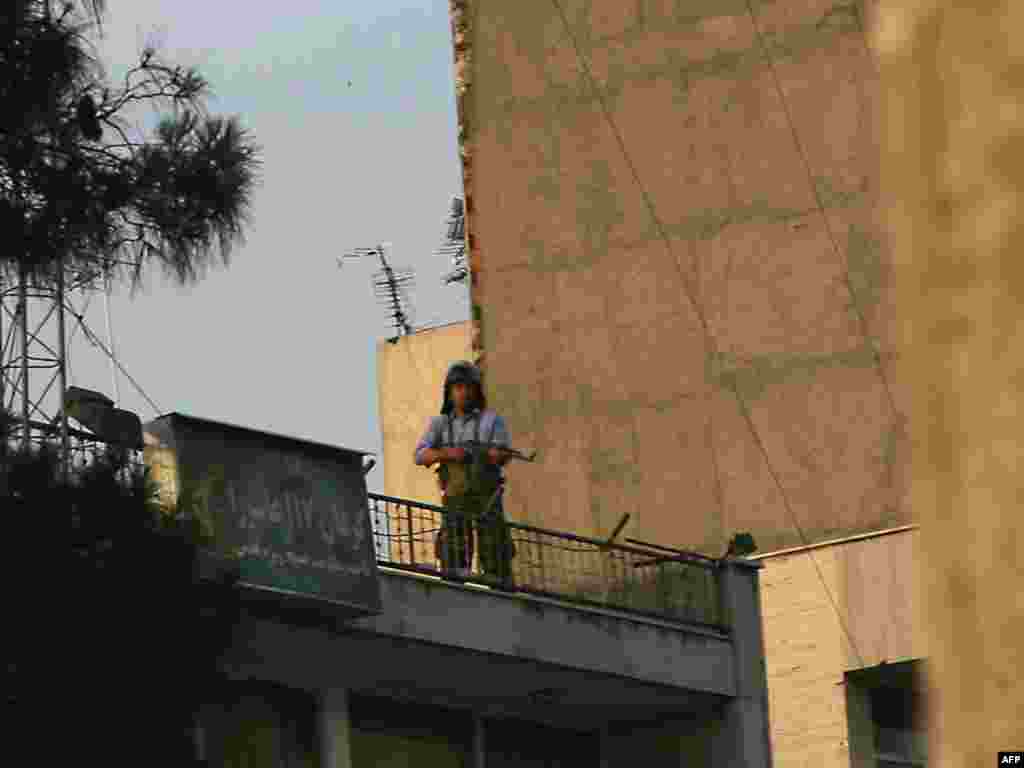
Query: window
<point x="885" y="708"/>
<point x="900" y="738"/>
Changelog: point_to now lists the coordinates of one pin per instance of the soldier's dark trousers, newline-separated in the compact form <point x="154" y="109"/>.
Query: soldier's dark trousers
<point x="457" y="541"/>
<point x="496" y="549"/>
<point x="464" y="513"/>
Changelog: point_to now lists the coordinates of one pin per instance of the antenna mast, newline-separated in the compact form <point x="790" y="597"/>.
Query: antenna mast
<point x="390" y="287"/>
<point x="454" y="246"/>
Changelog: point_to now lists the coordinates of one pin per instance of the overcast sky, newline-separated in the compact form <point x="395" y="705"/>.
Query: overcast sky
<point x="283" y="340"/>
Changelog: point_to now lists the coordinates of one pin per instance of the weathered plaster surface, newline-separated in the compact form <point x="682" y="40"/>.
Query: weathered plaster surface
<point x="723" y="364"/>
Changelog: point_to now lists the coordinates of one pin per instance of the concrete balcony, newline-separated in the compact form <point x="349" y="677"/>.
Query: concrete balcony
<point x="536" y="658"/>
<point x="653" y="654"/>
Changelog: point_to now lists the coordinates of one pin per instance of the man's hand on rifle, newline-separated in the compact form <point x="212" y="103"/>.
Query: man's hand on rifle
<point x="498" y="454"/>
<point x="495" y="454"/>
<point x="453" y="454"/>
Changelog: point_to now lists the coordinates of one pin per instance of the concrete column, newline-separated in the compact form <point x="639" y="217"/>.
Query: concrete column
<point x="479" y="750"/>
<point x="333" y="726"/>
<point x="605" y="747"/>
<point x="742" y="737"/>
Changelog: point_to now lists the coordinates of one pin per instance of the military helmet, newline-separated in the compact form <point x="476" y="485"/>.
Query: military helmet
<point x="460" y="372"/>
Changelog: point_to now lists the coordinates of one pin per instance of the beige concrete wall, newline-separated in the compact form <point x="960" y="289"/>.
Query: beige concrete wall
<point x="805" y="659"/>
<point x="722" y="364"/>
<point x="410" y="377"/>
<point x="814" y="601"/>
<point x="879" y="594"/>
<point x="954" y="173"/>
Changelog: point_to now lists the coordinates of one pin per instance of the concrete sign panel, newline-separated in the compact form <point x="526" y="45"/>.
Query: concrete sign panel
<point x="295" y="512"/>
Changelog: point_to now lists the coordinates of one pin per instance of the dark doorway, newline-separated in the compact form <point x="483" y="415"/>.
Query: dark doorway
<point x="521" y="744"/>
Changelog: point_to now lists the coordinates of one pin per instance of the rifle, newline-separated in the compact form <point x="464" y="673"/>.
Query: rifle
<point x="473" y="446"/>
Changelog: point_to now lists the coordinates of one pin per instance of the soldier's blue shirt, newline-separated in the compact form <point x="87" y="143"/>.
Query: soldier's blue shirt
<point x="454" y="431"/>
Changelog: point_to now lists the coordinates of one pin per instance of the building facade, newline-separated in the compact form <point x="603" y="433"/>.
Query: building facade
<point x="683" y="291"/>
<point x="702" y="310"/>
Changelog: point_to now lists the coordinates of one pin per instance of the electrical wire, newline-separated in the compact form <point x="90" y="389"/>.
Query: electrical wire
<point x="71" y="338"/>
<point x="820" y="206"/>
<point x="97" y="343"/>
<point x="110" y="340"/>
<point x="709" y="337"/>
<point x="840" y="257"/>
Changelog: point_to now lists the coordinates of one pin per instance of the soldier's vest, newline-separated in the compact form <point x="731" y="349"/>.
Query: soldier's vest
<point x="477" y="478"/>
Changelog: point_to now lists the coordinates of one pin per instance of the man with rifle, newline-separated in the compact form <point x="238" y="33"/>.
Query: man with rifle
<point x="470" y="474"/>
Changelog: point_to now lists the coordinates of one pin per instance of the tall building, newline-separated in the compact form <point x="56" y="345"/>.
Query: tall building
<point x="682" y="288"/>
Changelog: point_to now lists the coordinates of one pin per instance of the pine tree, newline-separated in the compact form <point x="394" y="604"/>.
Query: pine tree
<point x="78" y="189"/>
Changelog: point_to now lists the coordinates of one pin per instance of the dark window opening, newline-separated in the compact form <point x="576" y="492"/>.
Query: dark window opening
<point x="521" y="744"/>
<point x="897" y="713"/>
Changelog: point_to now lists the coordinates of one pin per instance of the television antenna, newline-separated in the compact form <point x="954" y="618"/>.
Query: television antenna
<point x="391" y="286"/>
<point x="454" y="246"/>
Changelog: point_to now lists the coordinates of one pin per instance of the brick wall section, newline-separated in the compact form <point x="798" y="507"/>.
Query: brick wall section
<point x="805" y="660"/>
<point x="873" y="584"/>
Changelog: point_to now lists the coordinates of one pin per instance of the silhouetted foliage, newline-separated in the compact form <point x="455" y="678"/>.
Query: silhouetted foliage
<point x="124" y="645"/>
<point x="117" y="649"/>
<point x="76" y="189"/>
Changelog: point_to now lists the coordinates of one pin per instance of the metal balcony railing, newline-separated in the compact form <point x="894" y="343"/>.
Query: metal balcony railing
<point x="678" y="587"/>
<point x="83" y="448"/>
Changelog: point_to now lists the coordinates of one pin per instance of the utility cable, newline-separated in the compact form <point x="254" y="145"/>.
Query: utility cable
<point x="97" y="343"/>
<point x="698" y="309"/>
<point x="820" y="205"/>
<point x="835" y="246"/>
<point x="71" y="338"/>
<point x="110" y="339"/>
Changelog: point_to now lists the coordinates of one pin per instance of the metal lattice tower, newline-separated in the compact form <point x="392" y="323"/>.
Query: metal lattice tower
<point x="34" y="355"/>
